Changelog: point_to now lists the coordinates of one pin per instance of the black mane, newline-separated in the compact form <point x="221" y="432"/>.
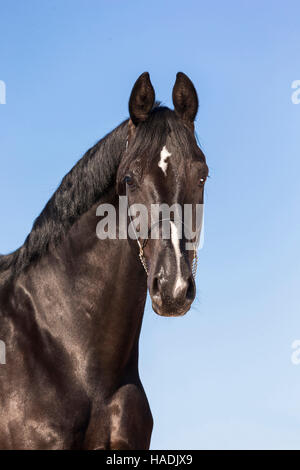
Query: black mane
<point x="79" y="190"/>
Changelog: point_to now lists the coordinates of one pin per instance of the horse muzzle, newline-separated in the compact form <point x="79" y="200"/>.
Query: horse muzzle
<point x="172" y="298"/>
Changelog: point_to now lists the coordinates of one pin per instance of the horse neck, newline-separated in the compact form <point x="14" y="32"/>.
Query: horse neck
<point x="90" y="293"/>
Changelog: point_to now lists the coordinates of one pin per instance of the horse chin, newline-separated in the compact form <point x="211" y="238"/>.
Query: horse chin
<point x="169" y="311"/>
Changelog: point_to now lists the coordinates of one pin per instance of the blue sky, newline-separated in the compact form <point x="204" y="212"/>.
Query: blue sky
<point x="221" y="377"/>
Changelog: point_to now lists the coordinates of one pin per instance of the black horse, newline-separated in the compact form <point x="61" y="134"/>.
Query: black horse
<point x="71" y="305"/>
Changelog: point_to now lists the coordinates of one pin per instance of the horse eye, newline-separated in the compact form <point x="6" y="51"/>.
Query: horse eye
<point x="128" y="180"/>
<point x="202" y="181"/>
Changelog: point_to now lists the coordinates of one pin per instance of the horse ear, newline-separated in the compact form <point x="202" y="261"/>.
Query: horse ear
<point x="185" y="98"/>
<point x="141" y="99"/>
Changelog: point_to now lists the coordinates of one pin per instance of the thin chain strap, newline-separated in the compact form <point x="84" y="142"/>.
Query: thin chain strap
<point x="195" y="263"/>
<point x="143" y="260"/>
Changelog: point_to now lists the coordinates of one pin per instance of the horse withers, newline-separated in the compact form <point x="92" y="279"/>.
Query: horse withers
<point x="71" y="303"/>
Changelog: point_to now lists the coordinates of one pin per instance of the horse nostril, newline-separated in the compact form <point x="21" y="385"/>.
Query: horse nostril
<point x="190" y="293"/>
